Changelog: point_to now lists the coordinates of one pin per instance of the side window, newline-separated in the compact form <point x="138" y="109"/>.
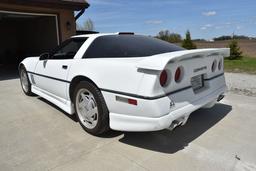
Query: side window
<point x="68" y="49"/>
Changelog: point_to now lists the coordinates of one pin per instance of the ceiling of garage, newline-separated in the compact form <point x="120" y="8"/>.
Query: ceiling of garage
<point x="6" y="16"/>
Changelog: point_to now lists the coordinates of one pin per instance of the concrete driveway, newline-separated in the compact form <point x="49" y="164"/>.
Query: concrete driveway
<point x="36" y="135"/>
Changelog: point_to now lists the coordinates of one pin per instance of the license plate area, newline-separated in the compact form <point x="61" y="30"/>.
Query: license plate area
<point x="197" y="82"/>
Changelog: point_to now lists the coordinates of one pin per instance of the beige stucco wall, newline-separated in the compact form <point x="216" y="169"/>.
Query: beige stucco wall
<point x="64" y="16"/>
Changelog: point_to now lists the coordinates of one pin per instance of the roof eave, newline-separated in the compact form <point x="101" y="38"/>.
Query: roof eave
<point x="76" y="6"/>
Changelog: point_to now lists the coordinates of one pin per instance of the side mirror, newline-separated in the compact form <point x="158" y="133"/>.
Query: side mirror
<point x="44" y="56"/>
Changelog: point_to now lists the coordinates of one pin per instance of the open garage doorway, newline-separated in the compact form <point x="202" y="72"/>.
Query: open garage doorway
<point x="23" y="35"/>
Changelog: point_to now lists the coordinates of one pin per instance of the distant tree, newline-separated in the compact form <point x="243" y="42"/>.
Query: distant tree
<point x="88" y="25"/>
<point x="232" y="37"/>
<point x="169" y="37"/>
<point x="199" y="40"/>
<point x="175" y="38"/>
<point x="163" y="35"/>
<point x="187" y="42"/>
<point x="223" y="38"/>
<point x="235" y="52"/>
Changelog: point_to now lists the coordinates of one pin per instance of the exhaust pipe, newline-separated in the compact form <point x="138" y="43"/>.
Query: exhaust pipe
<point x="174" y="124"/>
<point x="220" y="97"/>
<point x="178" y="122"/>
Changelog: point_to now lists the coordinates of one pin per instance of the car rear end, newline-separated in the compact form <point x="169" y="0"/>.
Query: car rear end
<point x="173" y="86"/>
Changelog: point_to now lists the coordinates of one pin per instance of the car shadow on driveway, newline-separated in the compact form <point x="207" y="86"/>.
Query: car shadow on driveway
<point x="167" y="141"/>
<point x="172" y="141"/>
<point x="72" y="117"/>
<point x="109" y="134"/>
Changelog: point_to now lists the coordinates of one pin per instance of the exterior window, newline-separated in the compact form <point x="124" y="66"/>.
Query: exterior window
<point x="68" y="49"/>
<point x="125" y="46"/>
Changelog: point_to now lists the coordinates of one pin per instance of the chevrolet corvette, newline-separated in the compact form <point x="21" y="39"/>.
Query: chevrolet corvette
<point x="126" y="82"/>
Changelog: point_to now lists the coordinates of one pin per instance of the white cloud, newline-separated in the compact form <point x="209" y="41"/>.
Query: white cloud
<point x="154" y="22"/>
<point x="203" y="28"/>
<point x="206" y="26"/>
<point x="239" y="27"/>
<point x="209" y="13"/>
<point x="218" y="27"/>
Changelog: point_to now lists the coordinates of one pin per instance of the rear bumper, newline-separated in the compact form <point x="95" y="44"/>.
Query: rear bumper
<point x="124" y="122"/>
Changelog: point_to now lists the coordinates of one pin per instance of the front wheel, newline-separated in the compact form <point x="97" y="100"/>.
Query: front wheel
<point x="24" y="81"/>
<point x="90" y="108"/>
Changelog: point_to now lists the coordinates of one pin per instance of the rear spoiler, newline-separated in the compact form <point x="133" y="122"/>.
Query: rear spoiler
<point x="158" y="62"/>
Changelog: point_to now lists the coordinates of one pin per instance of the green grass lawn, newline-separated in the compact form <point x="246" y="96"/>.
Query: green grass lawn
<point x="246" y="64"/>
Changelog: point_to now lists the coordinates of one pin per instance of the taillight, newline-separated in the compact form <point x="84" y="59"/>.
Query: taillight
<point x="220" y="64"/>
<point x="177" y="75"/>
<point x="163" y="78"/>
<point x="132" y="102"/>
<point x="214" y="65"/>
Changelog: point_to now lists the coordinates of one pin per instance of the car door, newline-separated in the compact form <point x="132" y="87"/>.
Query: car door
<point x="51" y="73"/>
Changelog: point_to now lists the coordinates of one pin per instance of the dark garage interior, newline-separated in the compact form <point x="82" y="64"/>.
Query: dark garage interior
<point x="23" y="35"/>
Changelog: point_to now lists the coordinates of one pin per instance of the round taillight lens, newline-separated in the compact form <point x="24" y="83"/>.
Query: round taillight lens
<point x="220" y="64"/>
<point x="163" y="78"/>
<point x="177" y="74"/>
<point x="214" y="65"/>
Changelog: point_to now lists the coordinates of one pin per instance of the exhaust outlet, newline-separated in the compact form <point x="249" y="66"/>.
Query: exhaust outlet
<point x="220" y="97"/>
<point x="174" y="124"/>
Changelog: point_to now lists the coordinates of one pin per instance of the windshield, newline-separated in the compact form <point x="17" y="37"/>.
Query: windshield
<point x="118" y="46"/>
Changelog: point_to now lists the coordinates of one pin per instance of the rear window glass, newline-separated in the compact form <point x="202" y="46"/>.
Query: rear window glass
<point x="117" y="46"/>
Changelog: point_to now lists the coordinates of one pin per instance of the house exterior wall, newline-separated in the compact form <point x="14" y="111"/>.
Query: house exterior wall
<point x="64" y="16"/>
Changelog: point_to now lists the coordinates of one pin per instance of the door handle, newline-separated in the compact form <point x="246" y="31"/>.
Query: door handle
<point x="64" y="67"/>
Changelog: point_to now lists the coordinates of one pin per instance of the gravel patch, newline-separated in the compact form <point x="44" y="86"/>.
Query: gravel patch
<point x="241" y="83"/>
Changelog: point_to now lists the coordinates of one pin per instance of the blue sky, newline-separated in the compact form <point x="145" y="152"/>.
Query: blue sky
<point x="204" y="18"/>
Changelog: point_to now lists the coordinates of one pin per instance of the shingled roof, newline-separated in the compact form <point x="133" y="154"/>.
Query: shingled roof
<point x="67" y="4"/>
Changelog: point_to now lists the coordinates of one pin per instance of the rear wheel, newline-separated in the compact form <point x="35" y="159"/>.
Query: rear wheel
<point x="91" y="109"/>
<point x="24" y="81"/>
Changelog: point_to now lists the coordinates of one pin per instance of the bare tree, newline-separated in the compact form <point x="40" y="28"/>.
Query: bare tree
<point x="88" y="25"/>
<point x="168" y="36"/>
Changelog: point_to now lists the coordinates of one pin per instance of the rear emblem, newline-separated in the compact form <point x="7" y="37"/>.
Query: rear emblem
<point x="200" y="69"/>
<point x="172" y="104"/>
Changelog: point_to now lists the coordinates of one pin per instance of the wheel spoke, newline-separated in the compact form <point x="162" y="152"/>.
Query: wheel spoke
<point x="85" y="99"/>
<point x="81" y="104"/>
<point x="94" y="123"/>
<point x="92" y="112"/>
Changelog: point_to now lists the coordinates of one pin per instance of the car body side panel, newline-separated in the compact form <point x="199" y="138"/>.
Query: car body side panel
<point x="53" y="69"/>
<point x="110" y="74"/>
<point x="30" y="64"/>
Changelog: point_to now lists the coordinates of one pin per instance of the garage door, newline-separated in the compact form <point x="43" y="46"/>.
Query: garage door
<point x="23" y="35"/>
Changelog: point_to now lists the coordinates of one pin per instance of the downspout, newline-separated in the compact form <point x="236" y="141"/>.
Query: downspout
<point x="79" y="14"/>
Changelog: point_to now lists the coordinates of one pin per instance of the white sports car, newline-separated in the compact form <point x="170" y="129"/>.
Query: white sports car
<point x="126" y="82"/>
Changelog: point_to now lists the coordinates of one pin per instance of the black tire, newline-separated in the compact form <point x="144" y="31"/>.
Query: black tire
<point x="102" y="125"/>
<point x="28" y="90"/>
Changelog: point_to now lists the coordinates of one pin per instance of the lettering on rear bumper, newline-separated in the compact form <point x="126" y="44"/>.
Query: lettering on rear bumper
<point x="200" y="69"/>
